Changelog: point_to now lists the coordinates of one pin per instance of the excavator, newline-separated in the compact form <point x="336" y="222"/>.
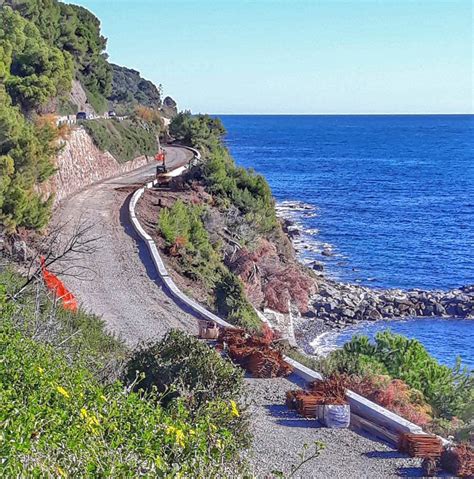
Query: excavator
<point x="160" y="157"/>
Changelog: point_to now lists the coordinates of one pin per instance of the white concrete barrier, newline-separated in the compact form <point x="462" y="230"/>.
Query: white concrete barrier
<point x="378" y="420"/>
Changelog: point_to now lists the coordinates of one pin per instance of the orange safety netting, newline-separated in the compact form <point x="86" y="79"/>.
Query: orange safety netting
<point x="56" y="286"/>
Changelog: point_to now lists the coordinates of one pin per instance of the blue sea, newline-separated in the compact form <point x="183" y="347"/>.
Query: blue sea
<point x="389" y="198"/>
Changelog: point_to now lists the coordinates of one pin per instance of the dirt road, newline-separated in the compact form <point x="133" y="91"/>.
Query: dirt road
<point x="123" y="287"/>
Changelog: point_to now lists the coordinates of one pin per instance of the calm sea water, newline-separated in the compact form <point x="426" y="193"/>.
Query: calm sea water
<point x="391" y="197"/>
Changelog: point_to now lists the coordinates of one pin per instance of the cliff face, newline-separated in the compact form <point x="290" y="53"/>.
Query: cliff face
<point x="80" y="164"/>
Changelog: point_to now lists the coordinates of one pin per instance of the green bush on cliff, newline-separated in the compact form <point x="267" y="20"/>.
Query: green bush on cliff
<point x="185" y="235"/>
<point x="186" y="238"/>
<point x="232" y="303"/>
<point x="125" y="140"/>
<point x="230" y="184"/>
<point x="26" y="152"/>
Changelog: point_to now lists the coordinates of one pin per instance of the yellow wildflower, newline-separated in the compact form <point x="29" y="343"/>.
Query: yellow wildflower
<point x="103" y="398"/>
<point x="40" y="370"/>
<point x="235" y="412"/>
<point x="178" y="435"/>
<point x="93" y="421"/>
<point x="61" y="471"/>
<point x="62" y="391"/>
<point x="180" y="438"/>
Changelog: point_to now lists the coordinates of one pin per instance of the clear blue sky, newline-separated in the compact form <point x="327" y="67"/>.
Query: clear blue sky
<point x="295" y="56"/>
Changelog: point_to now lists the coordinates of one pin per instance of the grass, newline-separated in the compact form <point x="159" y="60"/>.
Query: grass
<point x="80" y="336"/>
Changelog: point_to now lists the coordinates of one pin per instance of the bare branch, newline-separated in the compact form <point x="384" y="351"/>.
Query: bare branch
<point x="63" y="250"/>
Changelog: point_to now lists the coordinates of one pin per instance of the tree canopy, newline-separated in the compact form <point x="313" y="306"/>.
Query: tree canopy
<point x="73" y="31"/>
<point x="32" y="72"/>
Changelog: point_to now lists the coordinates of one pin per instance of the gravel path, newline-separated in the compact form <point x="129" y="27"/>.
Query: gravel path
<point x="127" y="293"/>
<point x="282" y="434"/>
<point x="123" y="288"/>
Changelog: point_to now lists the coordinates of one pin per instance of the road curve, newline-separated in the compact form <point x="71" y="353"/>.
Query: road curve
<point x="122" y="286"/>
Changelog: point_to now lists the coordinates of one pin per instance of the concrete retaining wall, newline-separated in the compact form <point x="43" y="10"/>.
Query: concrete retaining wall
<point x="360" y="406"/>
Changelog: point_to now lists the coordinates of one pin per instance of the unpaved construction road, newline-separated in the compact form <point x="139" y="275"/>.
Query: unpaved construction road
<point x="122" y="286"/>
<point x="124" y="289"/>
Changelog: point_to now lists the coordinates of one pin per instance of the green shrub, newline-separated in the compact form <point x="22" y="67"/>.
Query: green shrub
<point x="187" y="366"/>
<point x="125" y="140"/>
<point x="242" y="188"/>
<point x="58" y="421"/>
<point x="26" y="159"/>
<point x="232" y="303"/>
<point x="183" y="229"/>
<point x="230" y="184"/>
<point x="448" y="390"/>
<point x="183" y="367"/>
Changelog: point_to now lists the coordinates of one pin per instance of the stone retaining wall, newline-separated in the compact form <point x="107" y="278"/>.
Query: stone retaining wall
<point x="80" y="164"/>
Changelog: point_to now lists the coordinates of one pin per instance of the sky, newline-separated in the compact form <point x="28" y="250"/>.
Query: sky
<point x="298" y="56"/>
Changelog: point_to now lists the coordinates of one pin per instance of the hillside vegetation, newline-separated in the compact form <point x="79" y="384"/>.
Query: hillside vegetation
<point x="44" y="45"/>
<point x="129" y="89"/>
<point x="245" y="202"/>
<point x="67" y="410"/>
<point x="126" y="139"/>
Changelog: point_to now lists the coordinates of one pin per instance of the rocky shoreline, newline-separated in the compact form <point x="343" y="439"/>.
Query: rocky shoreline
<point x="336" y="305"/>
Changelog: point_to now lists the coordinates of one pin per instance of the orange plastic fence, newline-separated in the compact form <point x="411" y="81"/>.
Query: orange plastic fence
<point x="56" y="286"/>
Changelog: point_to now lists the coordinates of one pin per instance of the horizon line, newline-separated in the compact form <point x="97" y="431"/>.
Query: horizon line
<point x="342" y="114"/>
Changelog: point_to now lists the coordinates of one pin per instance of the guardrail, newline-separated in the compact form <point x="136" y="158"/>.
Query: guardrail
<point x="72" y="120"/>
<point x="364" y="413"/>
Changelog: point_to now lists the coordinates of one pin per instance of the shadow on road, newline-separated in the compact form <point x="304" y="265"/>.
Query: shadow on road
<point x="145" y="257"/>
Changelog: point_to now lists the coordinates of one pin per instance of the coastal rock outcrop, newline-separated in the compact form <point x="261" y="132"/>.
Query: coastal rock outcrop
<point x="340" y="303"/>
<point x="334" y="305"/>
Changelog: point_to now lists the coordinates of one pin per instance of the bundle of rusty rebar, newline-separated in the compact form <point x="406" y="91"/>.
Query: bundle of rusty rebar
<point x="420" y="445"/>
<point x="325" y="392"/>
<point x="255" y="354"/>
<point x="329" y="391"/>
<point x="459" y="460"/>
